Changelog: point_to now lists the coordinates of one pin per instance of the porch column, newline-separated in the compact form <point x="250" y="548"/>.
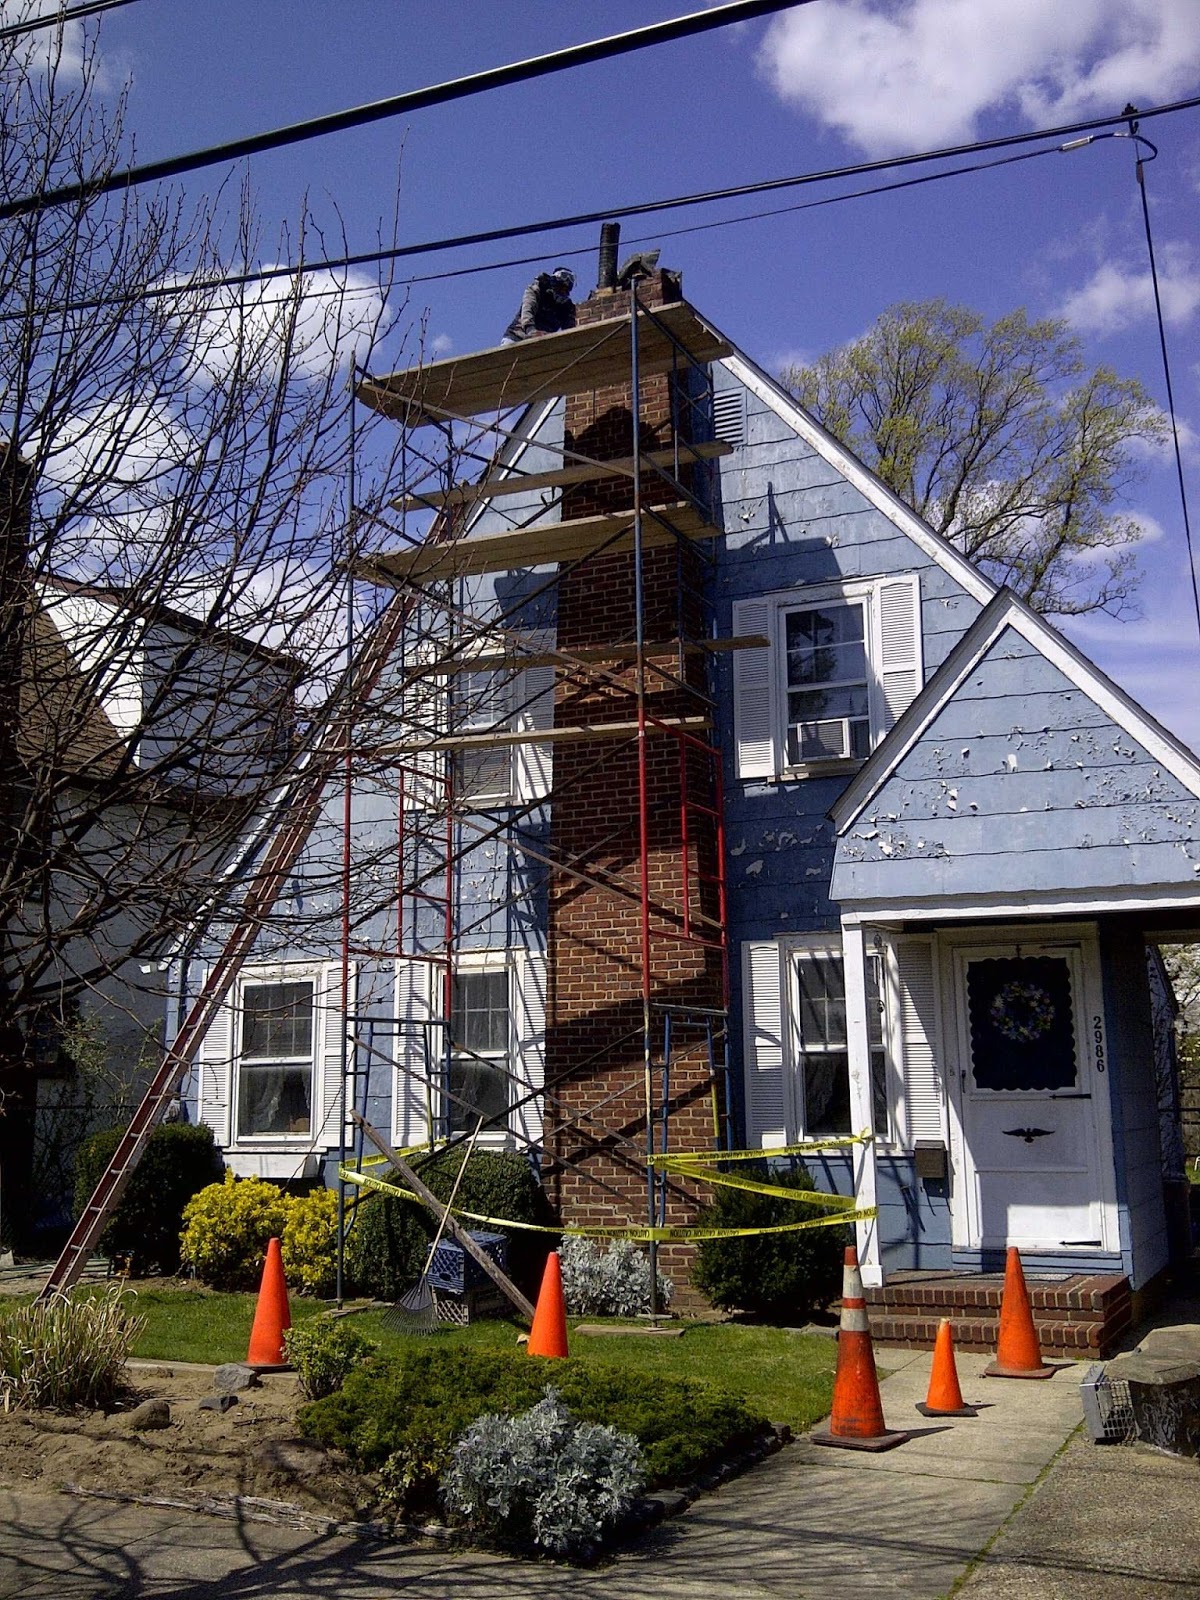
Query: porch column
<point x="862" y="1112"/>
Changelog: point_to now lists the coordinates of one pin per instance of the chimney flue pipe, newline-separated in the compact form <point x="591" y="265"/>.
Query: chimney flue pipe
<point x="610" y="238"/>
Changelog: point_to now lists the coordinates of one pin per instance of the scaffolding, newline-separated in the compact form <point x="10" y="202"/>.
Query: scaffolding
<point x="652" y="502"/>
<point x="640" y="693"/>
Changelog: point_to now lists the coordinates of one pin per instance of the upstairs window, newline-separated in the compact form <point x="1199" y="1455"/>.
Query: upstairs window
<point x="484" y="772"/>
<point x="837" y="664"/>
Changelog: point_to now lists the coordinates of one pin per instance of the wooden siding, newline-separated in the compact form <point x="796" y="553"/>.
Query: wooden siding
<point x="1020" y="783"/>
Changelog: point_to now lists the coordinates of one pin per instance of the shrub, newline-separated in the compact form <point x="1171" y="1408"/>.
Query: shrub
<point x="390" y="1239"/>
<point x="608" y="1283"/>
<point x="179" y="1160"/>
<point x="769" y="1275"/>
<point x="324" y="1352"/>
<point x="413" y="1409"/>
<point x="309" y="1242"/>
<point x="69" y="1351"/>
<point x="226" y="1228"/>
<point x="542" y="1478"/>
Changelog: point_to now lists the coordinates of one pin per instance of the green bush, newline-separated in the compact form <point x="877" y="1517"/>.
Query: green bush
<point x="226" y="1228"/>
<point x="324" y="1353"/>
<point x="179" y="1160"/>
<point x="389" y="1241"/>
<point x="68" y="1351"/>
<point x="776" y="1276"/>
<point x="409" y="1411"/>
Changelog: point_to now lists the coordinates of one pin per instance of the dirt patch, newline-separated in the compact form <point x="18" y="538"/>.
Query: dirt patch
<point x="251" y="1449"/>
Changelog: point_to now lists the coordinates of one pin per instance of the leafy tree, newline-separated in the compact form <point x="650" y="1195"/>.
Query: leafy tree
<point x="1002" y="439"/>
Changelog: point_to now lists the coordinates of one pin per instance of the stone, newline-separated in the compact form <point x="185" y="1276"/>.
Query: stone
<point x="218" y="1402"/>
<point x="235" y="1376"/>
<point x="1165" y="1399"/>
<point x="149" y="1415"/>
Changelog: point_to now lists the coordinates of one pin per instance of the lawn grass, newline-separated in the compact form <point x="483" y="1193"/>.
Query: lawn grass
<point x="783" y="1375"/>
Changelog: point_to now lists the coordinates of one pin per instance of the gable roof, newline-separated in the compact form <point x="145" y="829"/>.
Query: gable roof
<point x="1006" y="610"/>
<point x="872" y="488"/>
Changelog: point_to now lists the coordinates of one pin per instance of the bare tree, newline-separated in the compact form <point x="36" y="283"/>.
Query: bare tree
<point x="173" y="542"/>
<point x="1003" y="441"/>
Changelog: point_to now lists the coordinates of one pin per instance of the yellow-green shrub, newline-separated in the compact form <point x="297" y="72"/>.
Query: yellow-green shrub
<point x="309" y="1242"/>
<point x="226" y="1228"/>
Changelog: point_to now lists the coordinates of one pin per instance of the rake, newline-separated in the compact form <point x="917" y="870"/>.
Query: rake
<point x="416" y="1310"/>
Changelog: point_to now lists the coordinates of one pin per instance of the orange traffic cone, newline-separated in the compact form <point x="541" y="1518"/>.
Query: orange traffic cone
<point x="272" y="1318"/>
<point x="856" y="1422"/>
<point x="1018" y="1354"/>
<point x="945" y="1397"/>
<point x="548" y="1336"/>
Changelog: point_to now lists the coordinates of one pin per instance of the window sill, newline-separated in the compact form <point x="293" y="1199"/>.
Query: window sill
<point x="834" y="767"/>
<point x="274" y="1161"/>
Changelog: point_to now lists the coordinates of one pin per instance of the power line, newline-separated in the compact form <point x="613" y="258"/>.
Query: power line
<point x="58" y="19"/>
<point x="617" y="44"/>
<point x="639" y="209"/>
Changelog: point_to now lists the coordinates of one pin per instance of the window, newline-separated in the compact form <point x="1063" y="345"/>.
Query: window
<point x="838" y="663"/>
<point x="479" y="1049"/>
<point x="484" y="772"/>
<point x="275" y="1062"/>
<point x="825" y="666"/>
<point x="822" y="1090"/>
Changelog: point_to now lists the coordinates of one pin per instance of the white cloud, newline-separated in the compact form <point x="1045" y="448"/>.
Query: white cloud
<point x="902" y="74"/>
<point x="113" y="447"/>
<point x="440" y="345"/>
<point x="1115" y="297"/>
<point x="64" y="51"/>
<point x="249" y="327"/>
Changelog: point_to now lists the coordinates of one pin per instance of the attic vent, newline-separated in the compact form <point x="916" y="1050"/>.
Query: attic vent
<point x="729" y="416"/>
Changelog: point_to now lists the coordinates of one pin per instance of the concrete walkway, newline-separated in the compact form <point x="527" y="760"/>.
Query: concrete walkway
<point x="807" y="1523"/>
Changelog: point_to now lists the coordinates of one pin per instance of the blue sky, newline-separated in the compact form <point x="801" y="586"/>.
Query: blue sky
<point x="826" y="84"/>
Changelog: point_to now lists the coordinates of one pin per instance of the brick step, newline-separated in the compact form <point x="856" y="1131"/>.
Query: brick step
<point x="1083" y="1315"/>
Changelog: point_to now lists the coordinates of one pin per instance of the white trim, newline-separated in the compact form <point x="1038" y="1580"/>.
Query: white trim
<point x="1007" y="611"/>
<point x="863" y="479"/>
<point x="1174" y="897"/>
<point x="858" y="1060"/>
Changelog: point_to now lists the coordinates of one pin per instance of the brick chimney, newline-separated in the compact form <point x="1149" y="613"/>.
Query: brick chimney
<point x="594" y="1017"/>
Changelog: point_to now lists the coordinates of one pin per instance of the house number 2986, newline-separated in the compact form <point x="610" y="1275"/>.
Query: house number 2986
<point x="1098" y="1041"/>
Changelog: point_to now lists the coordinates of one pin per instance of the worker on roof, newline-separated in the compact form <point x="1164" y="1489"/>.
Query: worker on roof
<point x="546" y="307"/>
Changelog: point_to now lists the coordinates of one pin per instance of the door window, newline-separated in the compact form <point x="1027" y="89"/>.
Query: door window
<point x="1022" y="1023"/>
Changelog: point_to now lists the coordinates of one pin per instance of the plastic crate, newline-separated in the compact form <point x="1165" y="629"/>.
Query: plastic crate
<point x="455" y="1272"/>
<point x="460" y="1310"/>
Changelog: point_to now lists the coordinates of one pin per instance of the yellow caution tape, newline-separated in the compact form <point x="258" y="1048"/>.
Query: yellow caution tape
<point x="692" y="1164"/>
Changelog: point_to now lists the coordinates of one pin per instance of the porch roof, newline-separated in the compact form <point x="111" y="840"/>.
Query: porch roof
<point x="1021" y="778"/>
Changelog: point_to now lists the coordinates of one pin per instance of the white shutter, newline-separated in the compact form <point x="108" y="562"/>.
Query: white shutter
<point x="417" y="1060"/>
<point x="754" y="717"/>
<point x="332" y="1025"/>
<point x="899" y="646"/>
<point x="527" y="990"/>
<point x="214" y="1061"/>
<point x="534" y="762"/>
<point x="924" y="1096"/>
<point x="763" y="1001"/>
<point x="424" y="774"/>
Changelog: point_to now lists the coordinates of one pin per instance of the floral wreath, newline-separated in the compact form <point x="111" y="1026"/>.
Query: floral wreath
<point x="1022" y="1012"/>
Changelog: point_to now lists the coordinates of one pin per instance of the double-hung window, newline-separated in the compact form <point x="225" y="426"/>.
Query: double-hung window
<point x="821" y="1093"/>
<point x="829" y="669"/>
<point x="480" y="1033"/>
<point x="484" y="772"/>
<point x="275" y="1067"/>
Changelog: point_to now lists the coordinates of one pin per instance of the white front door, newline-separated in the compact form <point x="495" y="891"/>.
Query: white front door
<point x="1032" y="1099"/>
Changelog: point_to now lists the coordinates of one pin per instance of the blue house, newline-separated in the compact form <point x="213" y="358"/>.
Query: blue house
<point x="705" y="796"/>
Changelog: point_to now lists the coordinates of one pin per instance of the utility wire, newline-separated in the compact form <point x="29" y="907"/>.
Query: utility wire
<point x="1162" y="344"/>
<point x="57" y="19"/>
<point x="617" y="44"/>
<point x="203" y="285"/>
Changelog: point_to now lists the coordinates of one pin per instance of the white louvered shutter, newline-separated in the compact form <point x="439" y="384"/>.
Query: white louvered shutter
<point x="754" y="693"/>
<point x="214" y="1062"/>
<point x="766" y="1089"/>
<point x="924" y="1094"/>
<point x="899" y="646"/>
<point x="535" y="762"/>
<point x="527" y="988"/>
<point x="332" y="1026"/>
<point x="417" y="1060"/>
